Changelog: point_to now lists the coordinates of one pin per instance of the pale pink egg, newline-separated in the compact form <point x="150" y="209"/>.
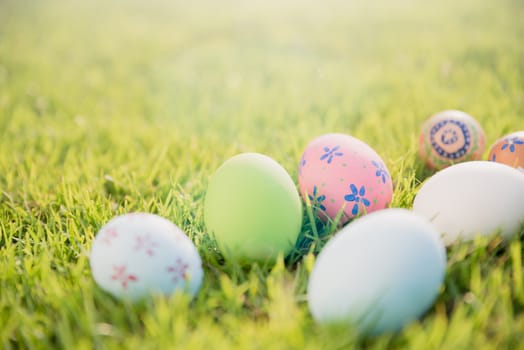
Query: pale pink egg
<point x="340" y="172"/>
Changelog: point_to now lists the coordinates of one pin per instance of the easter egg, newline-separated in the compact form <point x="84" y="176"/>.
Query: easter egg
<point x="473" y="198"/>
<point x="339" y="173"/>
<point x="136" y="255"/>
<point x="378" y="273"/>
<point x="252" y="208"/>
<point x="509" y="150"/>
<point x="450" y="137"/>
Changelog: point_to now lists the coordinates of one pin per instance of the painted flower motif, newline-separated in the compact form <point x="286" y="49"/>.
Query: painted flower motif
<point x="316" y="199"/>
<point x="301" y="164"/>
<point x="109" y="235"/>
<point x="121" y="275"/>
<point x="449" y="137"/>
<point x="329" y="154"/>
<point x="511" y="142"/>
<point x="178" y="271"/>
<point x="357" y="196"/>
<point x="146" y="244"/>
<point x="381" y="171"/>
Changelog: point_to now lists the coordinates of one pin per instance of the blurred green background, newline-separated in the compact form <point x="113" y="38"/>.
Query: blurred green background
<point x="108" y="107"/>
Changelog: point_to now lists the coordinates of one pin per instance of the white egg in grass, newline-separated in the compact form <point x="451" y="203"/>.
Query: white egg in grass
<point x="139" y="254"/>
<point x="471" y="199"/>
<point x="378" y="273"/>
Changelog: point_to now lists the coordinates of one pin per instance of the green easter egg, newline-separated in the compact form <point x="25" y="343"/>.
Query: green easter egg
<point x="252" y="208"/>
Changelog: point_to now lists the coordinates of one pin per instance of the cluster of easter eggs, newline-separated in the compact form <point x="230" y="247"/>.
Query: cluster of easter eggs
<point x="254" y="211"/>
<point x="380" y="271"/>
<point x="451" y="137"/>
<point x="470" y="197"/>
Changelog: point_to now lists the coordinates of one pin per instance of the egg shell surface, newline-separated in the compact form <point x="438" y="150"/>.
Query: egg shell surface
<point x="138" y="254"/>
<point x="340" y="172"/>
<point x="253" y="209"/>
<point x="450" y="137"/>
<point x="378" y="273"/>
<point x="473" y="198"/>
<point x="509" y="150"/>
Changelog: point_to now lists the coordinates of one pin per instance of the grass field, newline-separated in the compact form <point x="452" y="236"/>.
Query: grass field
<point x="113" y="107"/>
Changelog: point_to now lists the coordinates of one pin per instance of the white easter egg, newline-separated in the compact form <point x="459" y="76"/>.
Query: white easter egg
<point x="139" y="254"/>
<point x="473" y="198"/>
<point x="378" y="273"/>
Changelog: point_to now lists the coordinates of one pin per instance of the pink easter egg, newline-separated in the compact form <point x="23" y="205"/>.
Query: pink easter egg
<point x="339" y="172"/>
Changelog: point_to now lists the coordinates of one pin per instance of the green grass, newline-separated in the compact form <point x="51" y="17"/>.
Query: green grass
<point x="113" y="107"/>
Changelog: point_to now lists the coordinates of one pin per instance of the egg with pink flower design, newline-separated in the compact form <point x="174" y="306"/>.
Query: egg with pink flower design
<point x="339" y="174"/>
<point x="137" y="255"/>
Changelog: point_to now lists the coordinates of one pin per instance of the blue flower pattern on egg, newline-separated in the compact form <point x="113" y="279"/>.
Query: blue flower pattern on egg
<point x="381" y="171"/>
<point x="329" y="154"/>
<point x="511" y="142"/>
<point x="357" y="196"/>
<point x="316" y="199"/>
<point x="301" y="164"/>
